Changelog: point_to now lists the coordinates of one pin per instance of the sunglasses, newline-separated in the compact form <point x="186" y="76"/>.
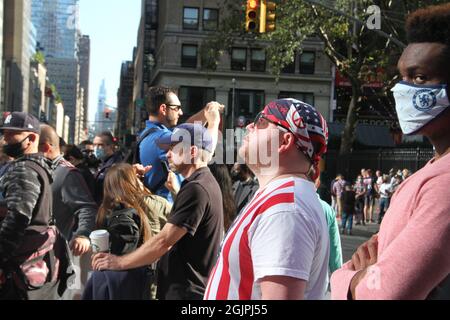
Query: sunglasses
<point x="263" y="125"/>
<point x="174" y="107"/>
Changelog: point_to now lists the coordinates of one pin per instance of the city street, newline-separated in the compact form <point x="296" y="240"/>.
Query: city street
<point x="360" y="235"/>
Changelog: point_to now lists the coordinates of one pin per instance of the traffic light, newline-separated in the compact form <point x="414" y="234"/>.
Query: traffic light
<point x="267" y="16"/>
<point x="251" y="17"/>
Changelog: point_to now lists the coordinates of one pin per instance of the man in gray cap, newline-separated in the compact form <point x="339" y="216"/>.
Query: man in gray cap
<point x="189" y="242"/>
<point x="27" y="201"/>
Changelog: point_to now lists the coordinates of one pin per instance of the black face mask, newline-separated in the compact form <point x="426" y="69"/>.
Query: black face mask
<point x="236" y="176"/>
<point x="14" y="150"/>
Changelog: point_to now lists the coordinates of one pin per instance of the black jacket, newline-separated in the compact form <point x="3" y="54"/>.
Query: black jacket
<point x="101" y="174"/>
<point x="22" y="189"/>
<point x="73" y="205"/>
<point x="244" y="192"/>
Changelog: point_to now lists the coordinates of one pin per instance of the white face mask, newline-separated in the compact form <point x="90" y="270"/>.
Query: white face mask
<point x="417" y="105"/>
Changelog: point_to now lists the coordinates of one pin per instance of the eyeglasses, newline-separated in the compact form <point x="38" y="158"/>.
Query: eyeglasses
<point x="174" y="107"/>
<point x="260" y="125"/>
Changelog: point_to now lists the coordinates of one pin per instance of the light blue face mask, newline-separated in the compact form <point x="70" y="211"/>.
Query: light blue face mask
<point x="417" y="105"/>
<point x="99" y="153"/>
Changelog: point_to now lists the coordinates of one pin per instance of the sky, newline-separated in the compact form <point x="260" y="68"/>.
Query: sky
<point x="112" y="26"/>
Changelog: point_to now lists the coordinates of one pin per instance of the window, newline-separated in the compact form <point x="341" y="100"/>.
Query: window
<point x="189" y="56"/>
<point x="239" y="59"/>
<point x="210" y="19"/>
<point x="258" y="61"/>
<point x="190" y="18"/>
<point x="307" y="62"/>
<point x="290" y="68"/>
<point x="302" y="96"/>
<point x="246" y="104"/>
<point x="194" y="98"/>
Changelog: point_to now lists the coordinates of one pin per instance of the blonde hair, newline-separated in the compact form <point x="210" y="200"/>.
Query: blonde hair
<point x="121" y="186"/>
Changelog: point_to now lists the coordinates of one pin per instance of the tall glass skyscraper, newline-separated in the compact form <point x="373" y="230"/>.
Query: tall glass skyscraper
<point x="56" y="22"/>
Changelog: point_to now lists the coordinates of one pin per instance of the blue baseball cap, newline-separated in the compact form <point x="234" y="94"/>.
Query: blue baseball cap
<point x="195" y="134"/>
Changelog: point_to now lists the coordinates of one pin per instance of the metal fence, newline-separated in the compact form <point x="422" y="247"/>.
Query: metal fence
<point x="381" y="159"/>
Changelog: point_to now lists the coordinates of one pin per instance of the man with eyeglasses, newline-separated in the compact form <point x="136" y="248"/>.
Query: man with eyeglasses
<point x="278" y="247"/>
<point x="164" y="109"/>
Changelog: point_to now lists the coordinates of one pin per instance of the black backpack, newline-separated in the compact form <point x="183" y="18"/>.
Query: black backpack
<point x="134" y="156"/>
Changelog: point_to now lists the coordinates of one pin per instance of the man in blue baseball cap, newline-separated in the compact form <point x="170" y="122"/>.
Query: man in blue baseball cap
<point x="189" y="242"/>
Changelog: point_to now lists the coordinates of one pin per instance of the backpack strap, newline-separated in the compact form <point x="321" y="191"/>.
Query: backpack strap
<point x="137" y="156"/>
<point x="43" y="207"/>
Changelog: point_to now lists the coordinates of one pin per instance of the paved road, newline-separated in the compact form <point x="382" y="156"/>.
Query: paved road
<point x="360" y="235"/>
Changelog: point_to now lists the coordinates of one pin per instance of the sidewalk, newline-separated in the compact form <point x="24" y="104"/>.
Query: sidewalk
<point x="366" y="231"/>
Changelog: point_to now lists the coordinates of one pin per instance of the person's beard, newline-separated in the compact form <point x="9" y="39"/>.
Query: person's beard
<point x="172" y="120"/>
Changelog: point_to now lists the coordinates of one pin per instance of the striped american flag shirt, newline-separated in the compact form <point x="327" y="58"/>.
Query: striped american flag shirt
<point x="281" y="232"/>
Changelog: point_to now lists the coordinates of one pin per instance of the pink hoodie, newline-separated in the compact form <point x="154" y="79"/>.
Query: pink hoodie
<point x="413" y="242"/>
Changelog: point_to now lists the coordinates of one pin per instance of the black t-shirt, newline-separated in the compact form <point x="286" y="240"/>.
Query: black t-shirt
<point x="183" y="272"/>
<point x="348" y="201"/>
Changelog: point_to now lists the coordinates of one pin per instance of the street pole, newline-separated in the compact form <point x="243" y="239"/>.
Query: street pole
<point x="233" y="103"/>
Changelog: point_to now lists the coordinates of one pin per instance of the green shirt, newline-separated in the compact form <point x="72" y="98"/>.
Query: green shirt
<point x="336" y="259"/>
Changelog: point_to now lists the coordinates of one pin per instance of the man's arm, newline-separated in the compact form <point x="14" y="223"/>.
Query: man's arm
<point x="282" y="288"/>
<point x="200" y="116"/>
<point x="23" y="188"/>
<point x="148" y="253"/>
<point x="76" y="195"/>
<point x="410" y="267"/>
<point x="78" y="199"/>
<point x="211" y="115"/>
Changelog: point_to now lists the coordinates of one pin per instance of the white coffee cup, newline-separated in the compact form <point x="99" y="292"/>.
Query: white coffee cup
<point x="100" y="241"/>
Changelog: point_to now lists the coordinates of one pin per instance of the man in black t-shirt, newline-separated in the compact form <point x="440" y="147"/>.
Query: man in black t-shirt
<point x="190" y="241"/>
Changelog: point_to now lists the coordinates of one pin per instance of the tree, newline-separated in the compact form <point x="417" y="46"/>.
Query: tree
<point x="39" y="57"/>
<point x="55" y="94"/>
<point x="356" y="50"/>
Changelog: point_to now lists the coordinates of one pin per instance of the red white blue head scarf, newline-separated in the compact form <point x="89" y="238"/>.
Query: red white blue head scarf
<point x="305" y="122"/>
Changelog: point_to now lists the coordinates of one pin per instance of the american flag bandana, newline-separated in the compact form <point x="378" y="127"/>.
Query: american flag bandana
<point x="305" y="122"/>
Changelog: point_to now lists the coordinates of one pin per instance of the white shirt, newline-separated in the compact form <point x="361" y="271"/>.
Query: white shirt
<point x="385" y="190"/>
<point x="281" y="232"/>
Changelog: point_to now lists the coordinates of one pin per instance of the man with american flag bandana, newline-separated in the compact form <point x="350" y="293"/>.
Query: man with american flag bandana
<point x="278" y="246"/>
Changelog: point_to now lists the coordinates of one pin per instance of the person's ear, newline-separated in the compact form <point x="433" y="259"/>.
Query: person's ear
<point x="44" y="147"/>
<point x="163" y="109"/>
<point x="287" y="141"/>
<point x="194" y="152"/>
<point x="33" y="137"/>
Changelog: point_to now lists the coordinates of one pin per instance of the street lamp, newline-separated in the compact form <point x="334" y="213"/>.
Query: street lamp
<point x="233" y="102"/>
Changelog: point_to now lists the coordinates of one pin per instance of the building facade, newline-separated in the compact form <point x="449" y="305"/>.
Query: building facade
<point x="16" y="54"/>
<point x="64" y="74"/>
<point x="56" y="22"/>
<point x="84" y="53"/>
<point x="125" y="102"/>
<point x="106" y="116"/>
<point x="168" y="53"/>
<point x="38" y="82"/>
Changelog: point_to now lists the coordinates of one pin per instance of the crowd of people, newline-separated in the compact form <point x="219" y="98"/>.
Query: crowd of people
<point x="182" y="227"/>
<point x="368" y="196"/>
